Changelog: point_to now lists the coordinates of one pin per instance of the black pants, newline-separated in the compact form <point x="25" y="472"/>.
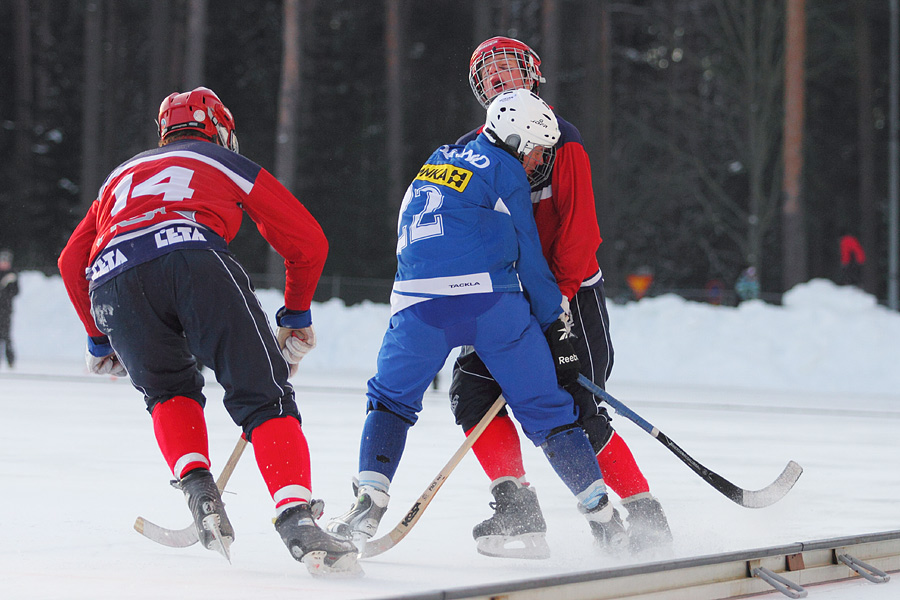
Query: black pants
<point x="162" y="314"/>
<point x="473" y="389"/>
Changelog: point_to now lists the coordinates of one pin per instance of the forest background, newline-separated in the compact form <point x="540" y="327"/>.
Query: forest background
<point x="702" y="164"/>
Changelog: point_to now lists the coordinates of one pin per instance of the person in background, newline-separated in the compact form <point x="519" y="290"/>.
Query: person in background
<point x="470" y="271"/>
<point x="564" y="210"/>
<point x="853" y="257"/>
<point x="747" y="285"/>
<point x="162" y="288"/>
<point x="9" y="289"/>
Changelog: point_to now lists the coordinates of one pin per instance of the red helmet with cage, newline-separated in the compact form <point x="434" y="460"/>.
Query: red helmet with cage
<point x="199" y="110"/>
<point x="500" y="64"/>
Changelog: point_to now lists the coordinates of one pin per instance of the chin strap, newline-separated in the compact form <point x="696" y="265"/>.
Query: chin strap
<point x="494" y="139"/>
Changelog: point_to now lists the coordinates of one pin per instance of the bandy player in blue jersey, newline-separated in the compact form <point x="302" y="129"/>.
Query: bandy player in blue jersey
<point x="470" y="271"/>
<point x="149" y="272"/>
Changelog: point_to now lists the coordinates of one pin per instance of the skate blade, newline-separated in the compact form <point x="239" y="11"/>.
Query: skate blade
<point x="220" y="543"/>
<point x="360" y="540"/>
<point x="319" y="565"/>
<point x="652" y="547"/>
<point x="616" y="547"/>
<point x="532" y="546"/>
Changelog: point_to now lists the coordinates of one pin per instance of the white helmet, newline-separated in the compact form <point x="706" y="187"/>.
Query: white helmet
<point x="521" y="121"/>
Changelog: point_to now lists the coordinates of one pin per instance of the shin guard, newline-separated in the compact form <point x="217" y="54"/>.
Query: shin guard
<point x="282" y="455"/>
<point x="499" y="451"/>
<point x="571" y="456"/>
<point x="383" y="441"/>
<point x="180" y="429"/>
<point x="620" y="471"/>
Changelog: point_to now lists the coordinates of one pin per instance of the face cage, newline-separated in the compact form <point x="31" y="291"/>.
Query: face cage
<point x="230" y="142"/>
<point x="519" y="78"/>
<point x="540" y="176"/>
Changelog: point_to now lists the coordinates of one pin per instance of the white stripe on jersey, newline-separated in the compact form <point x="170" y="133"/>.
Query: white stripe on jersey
<point x="145" y="230"/>
<point x="245" y="184"/>
<point x="542" y="194"/>
<point x="413" y="291"/>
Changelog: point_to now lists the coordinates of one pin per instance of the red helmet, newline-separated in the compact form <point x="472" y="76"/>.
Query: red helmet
<point x="500" y="64"/>
<point x="198" y="110"/>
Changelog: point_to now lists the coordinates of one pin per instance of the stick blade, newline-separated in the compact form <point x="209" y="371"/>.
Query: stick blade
<point x="775" y="491"/>
<point x="173" y="538"/>
<point x="379" y="546"/>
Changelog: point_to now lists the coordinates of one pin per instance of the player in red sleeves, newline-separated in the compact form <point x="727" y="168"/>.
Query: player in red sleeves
<point x="563" y="202"/>
<point x="149" y="272"/>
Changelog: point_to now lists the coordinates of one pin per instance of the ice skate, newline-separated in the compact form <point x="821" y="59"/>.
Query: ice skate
<point x="322" y="554"/>
<point x="360" y="523"/>
<point x="606" y="525"/>
<point x="517" y="529"/>
<point x="205" y="501"/>
<point x="648" y="528"/>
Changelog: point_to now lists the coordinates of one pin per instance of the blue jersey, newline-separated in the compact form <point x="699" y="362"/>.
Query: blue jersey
<point x="466" y="227"/>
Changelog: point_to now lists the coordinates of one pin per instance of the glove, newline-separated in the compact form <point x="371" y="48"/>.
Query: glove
<point x="295" y="344"/>
<point x="101" y="359"/>
<point x="295" y="335"/>
<point x="559" y="338"/>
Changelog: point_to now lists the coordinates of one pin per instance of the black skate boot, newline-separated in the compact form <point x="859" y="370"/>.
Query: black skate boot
<point x="648" y="528"/>
<point x="205" y="501"/>
<point x="607" y="527"/>
<point x="517" y="529"/>
<point x="360" y="523"/>
<point x="321" y="553"/>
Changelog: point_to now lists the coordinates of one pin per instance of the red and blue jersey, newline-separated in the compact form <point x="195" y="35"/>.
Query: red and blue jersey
<point x="189" y="195"/>
<point x="565" y="214"/>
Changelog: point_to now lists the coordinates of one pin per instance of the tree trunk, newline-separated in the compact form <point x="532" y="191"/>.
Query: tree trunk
<point x="158" y="69"/>
<point x="24" y="99"/>
<point x="866" y="131"/>
<point x="550" y="50"/>
<point x="394" y="135"/>
<point x="482" y="30"/>
<point x="90" y="116"/>
<point x="597" y="130"/>
<point x="195" y="46"/>
<point x="793" y="226"/>
<point x="288" y="113"/>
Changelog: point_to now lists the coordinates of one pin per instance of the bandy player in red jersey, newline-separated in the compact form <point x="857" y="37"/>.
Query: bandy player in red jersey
<point x="149" y="272"/>
<point x="563" y="201"/>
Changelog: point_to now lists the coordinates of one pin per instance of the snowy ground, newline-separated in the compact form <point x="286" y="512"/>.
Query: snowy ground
<point x="743" y="390"/>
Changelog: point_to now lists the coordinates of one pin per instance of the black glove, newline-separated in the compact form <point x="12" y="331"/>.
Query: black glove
<point x="559" y="338"/>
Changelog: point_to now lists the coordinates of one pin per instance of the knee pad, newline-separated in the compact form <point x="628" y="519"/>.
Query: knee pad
<point x="472" y="391"/>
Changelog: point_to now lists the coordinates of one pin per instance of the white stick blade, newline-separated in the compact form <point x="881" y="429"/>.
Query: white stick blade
<point x="776" y="490"/>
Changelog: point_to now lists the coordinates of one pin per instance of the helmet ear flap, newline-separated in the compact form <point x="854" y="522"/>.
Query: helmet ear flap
<point x="201" y="111"/>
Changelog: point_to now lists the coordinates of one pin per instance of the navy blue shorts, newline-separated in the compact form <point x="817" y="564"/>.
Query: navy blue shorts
<point x="473" y="389"/>
<point x="162" y="314"/>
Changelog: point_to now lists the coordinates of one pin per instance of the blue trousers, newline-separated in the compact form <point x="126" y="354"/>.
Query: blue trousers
<point x="473" y="389"/>
<point x="507" y="338"/>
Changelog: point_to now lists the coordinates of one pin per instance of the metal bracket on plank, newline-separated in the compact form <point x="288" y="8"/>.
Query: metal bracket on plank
<point x="779" y="582"/>
<point x="863" y="569"/>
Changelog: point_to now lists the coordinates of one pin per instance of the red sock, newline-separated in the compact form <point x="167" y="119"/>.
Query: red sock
<point x="282" y="455"/>
<point x="180" y="429"/>
<point x="499" y="451"/>
<point x="620" y="471"/>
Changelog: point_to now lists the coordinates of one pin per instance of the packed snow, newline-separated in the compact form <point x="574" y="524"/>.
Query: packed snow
<point x="742" y="389"/>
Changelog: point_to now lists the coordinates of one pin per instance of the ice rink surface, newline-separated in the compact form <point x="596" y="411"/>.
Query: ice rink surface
<point x="78" y="463"/>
